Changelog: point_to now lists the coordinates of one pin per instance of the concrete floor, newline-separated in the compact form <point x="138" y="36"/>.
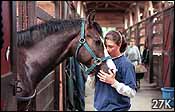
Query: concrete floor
<point x="141" y="102"/>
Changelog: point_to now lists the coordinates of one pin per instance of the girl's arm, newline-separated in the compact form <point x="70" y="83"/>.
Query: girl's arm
<point x="120" y="87"/>
<point x="124" y="89"/>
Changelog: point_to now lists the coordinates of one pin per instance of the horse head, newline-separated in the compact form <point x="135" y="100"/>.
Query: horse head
<point x="88" y="47"/>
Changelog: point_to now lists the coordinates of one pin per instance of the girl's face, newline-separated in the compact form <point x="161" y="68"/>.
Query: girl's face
<point x="132" y="42"/>
<point x="112" y="48"/>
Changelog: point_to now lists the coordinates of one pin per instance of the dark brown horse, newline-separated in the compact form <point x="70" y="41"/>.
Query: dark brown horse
<point x="42" y="47"/>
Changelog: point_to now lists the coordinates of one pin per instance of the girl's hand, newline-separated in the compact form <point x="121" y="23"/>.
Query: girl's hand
<point x="107" y="78"/>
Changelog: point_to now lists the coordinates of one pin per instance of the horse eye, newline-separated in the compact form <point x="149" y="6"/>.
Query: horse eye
<point x="98" y="42"/>
<point x="88" y="35"/>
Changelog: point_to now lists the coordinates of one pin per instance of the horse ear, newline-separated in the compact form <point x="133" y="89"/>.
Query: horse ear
<point x="91" y="17"/>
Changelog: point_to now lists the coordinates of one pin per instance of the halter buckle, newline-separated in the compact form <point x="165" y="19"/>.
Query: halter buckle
<point x="82" y="40"/>
<point x="98" y="61"/>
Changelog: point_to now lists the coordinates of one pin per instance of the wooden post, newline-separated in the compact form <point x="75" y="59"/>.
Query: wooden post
<point x="56" y="88"/>
<point x="125" y="22"/>
<point x="24" y="15"/>
<point x="31" y="13"/>
<point x="65" y="10"/>
<point x="60" y="88"/>
<point x="150" y="38"/>
<point x="146" y="12"/>
<point x="148" y="9"/>
<point x="82" y="11"/>
<point x="57" y="8"/>
<point x="150" y="5"/>
<point x="13" y="48"/>
<point x="137" y="14"/>
<point x="166" y="4"/>
<point x="19" y="14"/>
<point x="160" y="6"/>
<point x="60" y="67"/>
<point x="8" y="76"/>
<point x="78" y="7"/>
<point x="130" y="18"/>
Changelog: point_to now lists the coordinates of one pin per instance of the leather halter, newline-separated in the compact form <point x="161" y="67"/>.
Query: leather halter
<point x="23" y="98"/>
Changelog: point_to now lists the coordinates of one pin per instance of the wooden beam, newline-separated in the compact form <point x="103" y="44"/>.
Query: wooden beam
<point x="99" y="5"/>
<point x="88" y="2"/>
<point x="108" y="18"/>
<point x="110" y="15"/>
<point x="106" y="5"/>
<point x="111" y="23"/>
<point x="109" y="10"/>
<point x="41" y="14"/>
<point x="141" y="4"/>
<point x="116" y="5"/>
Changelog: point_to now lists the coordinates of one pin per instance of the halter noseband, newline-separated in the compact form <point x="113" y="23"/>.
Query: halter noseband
<point x="22" y="98"/>
<point x="82" y="42"/>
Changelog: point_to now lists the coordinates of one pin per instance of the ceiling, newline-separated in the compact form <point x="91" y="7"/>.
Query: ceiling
<point x="108" y="6"/>
<point x="113" y="10"/>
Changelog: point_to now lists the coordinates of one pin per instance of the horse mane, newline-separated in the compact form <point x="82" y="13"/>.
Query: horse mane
<point x="39" y="32"/>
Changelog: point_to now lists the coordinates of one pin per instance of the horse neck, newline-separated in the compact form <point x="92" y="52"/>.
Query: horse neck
<point x="41" y="57"/>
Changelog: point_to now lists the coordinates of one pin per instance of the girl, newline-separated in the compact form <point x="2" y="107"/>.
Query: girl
<point x="114" y="90"/>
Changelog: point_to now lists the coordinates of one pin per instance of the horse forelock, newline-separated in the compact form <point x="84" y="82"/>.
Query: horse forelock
<point x="38" y="32"/>
<point x="98" y="28"/>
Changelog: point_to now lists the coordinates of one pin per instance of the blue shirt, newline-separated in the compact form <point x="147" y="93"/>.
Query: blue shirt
<point x="106" y="97"/>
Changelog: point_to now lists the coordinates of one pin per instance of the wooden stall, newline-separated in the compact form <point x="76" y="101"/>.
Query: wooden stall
<point x="157" y="32"/>
<point x="8" y="56"/>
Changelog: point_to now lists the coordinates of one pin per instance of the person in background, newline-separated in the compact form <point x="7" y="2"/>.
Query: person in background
<point x="133" y="53"/>
<point x="114" y="90"/>
<point x="145" y="56"/>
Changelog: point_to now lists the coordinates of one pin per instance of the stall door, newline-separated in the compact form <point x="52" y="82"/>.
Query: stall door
<point x="168" y="52"/>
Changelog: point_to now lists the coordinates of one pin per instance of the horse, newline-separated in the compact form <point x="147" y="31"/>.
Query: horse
<point x="41" y="47"/>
